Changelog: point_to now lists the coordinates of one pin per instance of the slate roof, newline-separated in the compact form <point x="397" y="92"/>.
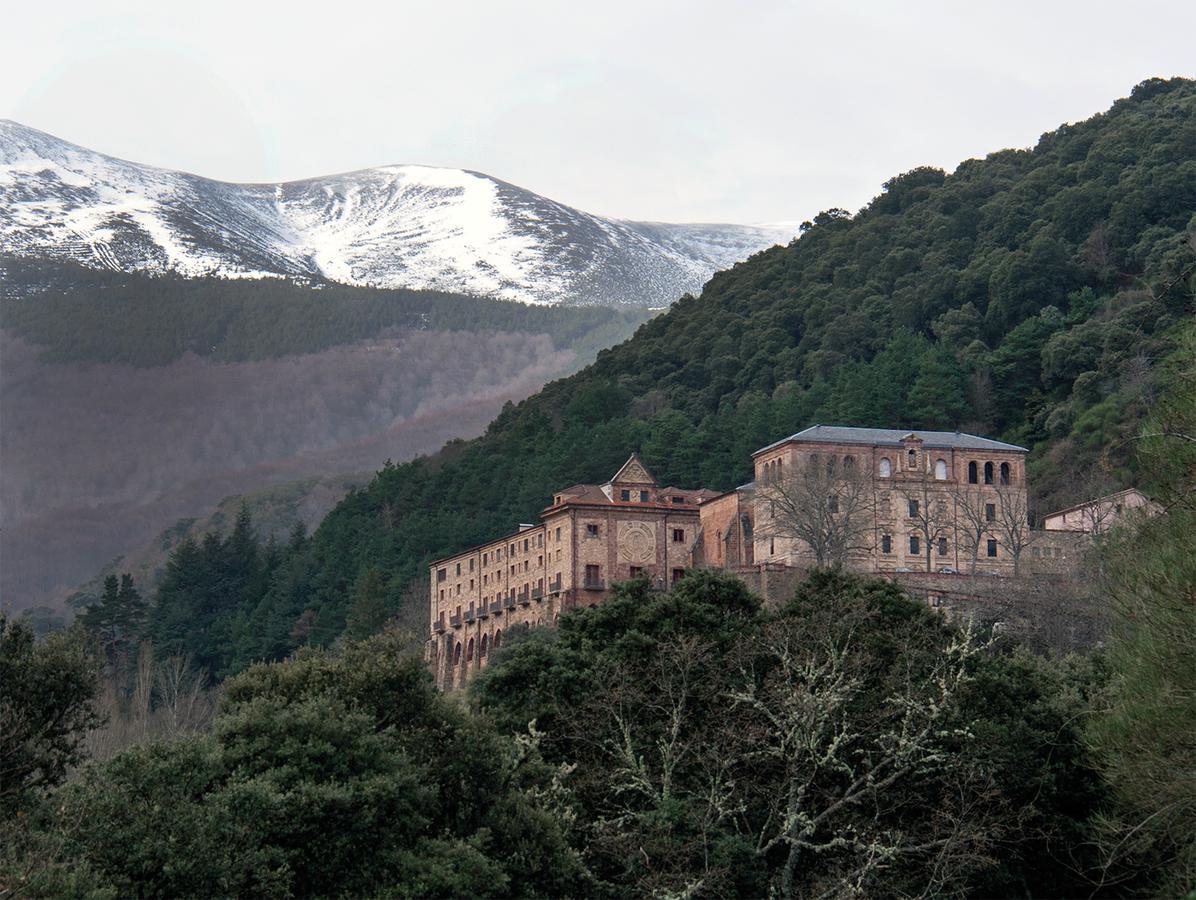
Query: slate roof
<point x="841" y="434"/>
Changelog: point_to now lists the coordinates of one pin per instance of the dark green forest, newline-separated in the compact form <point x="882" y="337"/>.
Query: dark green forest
<point x="1032" y="296"/>
<point x="692" y="743"/>
<point x="78" y="314"/>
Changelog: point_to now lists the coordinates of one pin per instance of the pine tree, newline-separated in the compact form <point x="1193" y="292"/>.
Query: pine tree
<point x="368" y="614"/>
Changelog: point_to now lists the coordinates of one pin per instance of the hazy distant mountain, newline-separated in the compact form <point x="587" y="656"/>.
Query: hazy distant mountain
<point x="394" y="226"/>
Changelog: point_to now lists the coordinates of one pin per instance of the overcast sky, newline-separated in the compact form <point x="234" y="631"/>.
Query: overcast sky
<point x="686" y="111"/>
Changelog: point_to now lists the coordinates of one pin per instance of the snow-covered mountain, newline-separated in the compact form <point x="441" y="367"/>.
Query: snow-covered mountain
<point x="395" y="226"/>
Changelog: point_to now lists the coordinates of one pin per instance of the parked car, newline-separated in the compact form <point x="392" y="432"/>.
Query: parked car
<point x="903" y="569"/>
<point x="948" y="570"/>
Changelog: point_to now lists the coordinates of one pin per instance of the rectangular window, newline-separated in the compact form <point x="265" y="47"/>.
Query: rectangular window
<point x="942" y="547"/>
<point x="525" y="545"/>
<point x="591" y="530"/>
<point x="832" y="505"/>
<point x="441" y="574"/>
<point x="990" y="512"/>
<point x="458" y="568"/>
<point x="592" y="575"/>
<point x="540" y="561"/>
<point x="913" y="509"/>
<point x="471" y="564"/>
<point x="625" y="495"/>
<point x="636" y="572"/>
<point x="992" y="547"/>
<point x="558" y="534"/>
<point x="678" y="535"/>
<point x="643" y="496"/>
<point x="886" y="544"/>
<point x="915" y="546"/>
<point x="678" y="499"/>
<point x="678" y="574"/>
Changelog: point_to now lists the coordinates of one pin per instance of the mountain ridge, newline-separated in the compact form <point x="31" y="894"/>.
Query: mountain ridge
<point x="394" y="226"/>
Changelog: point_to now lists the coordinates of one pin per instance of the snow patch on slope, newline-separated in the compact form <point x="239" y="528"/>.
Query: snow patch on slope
<point x="394" y="226"/>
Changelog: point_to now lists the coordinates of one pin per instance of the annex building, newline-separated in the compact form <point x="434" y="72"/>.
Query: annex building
<point x="877" y="500"/>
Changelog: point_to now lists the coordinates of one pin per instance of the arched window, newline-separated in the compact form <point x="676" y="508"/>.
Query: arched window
<point x="1004" y="473"/>
<point x="886" y="468"/>
<point x="469" y="651"/>
<point x="484" y="646"/>
<point x="886" y="543"/>
<point x="498" y="638"/>
<point x="457" y="654"/>
<point x="912" y="457"/>
<point x="940" y="469"/>
<point x="849" y="463"/>
<point x="972" y="479"/>
<point x="988" y="473"/>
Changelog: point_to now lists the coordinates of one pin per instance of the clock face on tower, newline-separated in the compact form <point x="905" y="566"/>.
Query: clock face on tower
<point x="637" y="542"/>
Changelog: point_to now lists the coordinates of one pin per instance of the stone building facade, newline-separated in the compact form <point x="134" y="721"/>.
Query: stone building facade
<point x="926" y="499"/>
<point x="1099" y="515"/>
<point x="588" y="538"/>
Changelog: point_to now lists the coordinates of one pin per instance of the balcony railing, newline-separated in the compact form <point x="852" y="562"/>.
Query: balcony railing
<point x="537" y="593"/>
<point x="438" y="625"/>
<point x="468" y="616"/>
<point x="496" y="605"/>
<point x="594" y="584"/>
<point x="455" y="620"/>
<point x="508" y="602"/>
<point x="554" y="587"/>
<point x="483" y="610"/>
<point x="524" y="598"/>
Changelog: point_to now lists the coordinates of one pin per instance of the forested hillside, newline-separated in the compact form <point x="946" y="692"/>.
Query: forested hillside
<point x="131" y="402"/>
<point x="77" y="314"/>
<point x="1029" y="296"/>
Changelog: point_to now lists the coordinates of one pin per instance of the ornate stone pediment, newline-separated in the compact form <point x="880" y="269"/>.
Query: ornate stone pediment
<point x="633" y="472"/>
<point x="637" y="542"/>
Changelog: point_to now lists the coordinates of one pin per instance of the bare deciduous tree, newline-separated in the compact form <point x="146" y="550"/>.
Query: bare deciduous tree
<point x="827" y="506"/>
<point x="1013" y="523"/>
<point x="928" y="513"/>
<point x="841" y="774"/>
<point x="975" y="513"/>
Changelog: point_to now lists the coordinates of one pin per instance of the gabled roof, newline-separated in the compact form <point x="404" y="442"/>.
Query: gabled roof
<point x="884" y="437"/>
<point x="633" y="472"/>
<point x="1097" y="500"/>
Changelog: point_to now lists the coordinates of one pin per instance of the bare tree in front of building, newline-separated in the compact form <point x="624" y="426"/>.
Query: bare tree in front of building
<point x="825" y="505"/>
<point x="1013" y="523"/>
<point x="928" y="514"/>
<point x="975" y="513"/>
